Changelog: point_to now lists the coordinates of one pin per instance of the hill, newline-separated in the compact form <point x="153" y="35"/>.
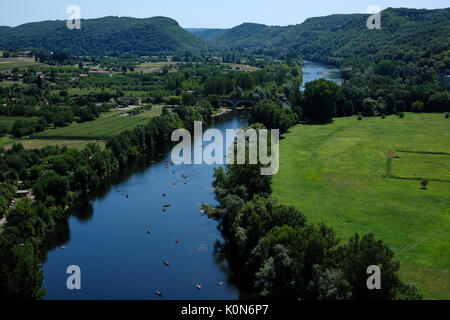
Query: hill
<point x="103" y="36"/>
<point x="405" y="34"/>
<point x="206" y="34"/>
<point x="250" y="35"/>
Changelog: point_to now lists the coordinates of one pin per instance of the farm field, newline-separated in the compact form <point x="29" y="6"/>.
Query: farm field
<point x="243" y="66"/>
<point x="336" y="174"/>
<point x="40" y="143"/>
<point x="106" y="126"/>
<point x="11" y="63"/>
<point x="149" y="67"/>
<point x="87" y="91"/>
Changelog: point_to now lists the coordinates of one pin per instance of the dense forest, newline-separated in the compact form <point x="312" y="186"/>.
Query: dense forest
<point x="405" y="34"/>
<point x="111" y="36"/>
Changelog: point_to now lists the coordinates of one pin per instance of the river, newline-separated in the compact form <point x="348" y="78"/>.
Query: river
<point x="106" y="233"/>
<point x="313" y="71"/>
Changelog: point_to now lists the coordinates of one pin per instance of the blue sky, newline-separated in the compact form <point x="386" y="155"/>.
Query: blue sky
<point x="198" y="13"/>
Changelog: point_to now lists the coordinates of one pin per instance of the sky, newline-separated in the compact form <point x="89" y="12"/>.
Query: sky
<point x="199" y="13"/>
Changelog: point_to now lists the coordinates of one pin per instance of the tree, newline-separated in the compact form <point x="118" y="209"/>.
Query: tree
<point x="424" y="183"/>
<point x="188" y="99"/>
<point x="86" y="115"/>
<point x="21" y="276"/>
<point x="51" y="184"/>
<point x="319" y="100"/>
<point x="360" y="253"/>
<point x="260" y="215"/>
<point x="273" y="116"/>
<point x="84" y="178"/>
<point x="3" y="129"/>
<point x="369" y="107"/>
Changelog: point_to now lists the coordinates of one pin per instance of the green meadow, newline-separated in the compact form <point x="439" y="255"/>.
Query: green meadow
<point x="107" y="125"/>
<point x="41" y="143"/>
<point x="338" y="174"/>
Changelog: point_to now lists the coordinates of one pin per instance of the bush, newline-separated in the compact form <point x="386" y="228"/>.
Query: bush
<point x="401" y="115"/>
<point x="424" y="183"/>
<point x="174" y="100"/>
<point x="447" y="115"/>
<point x="359" y="118"/>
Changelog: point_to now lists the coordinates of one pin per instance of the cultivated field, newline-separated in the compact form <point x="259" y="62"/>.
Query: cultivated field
<point x="11" y="63"/>
<point x="149" y="67"/>
<point x="243" y="66"/>
<point x="40" y="143"/>
<point x="336" y="174"/>
<point x="107" y="125"/>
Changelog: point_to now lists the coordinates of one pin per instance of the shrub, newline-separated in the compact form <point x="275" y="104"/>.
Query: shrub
<point x="424" y="183"/>
<point x="359" y="118"/>
<point x="401" y="115"/>
<point x="174" y="100"/>
<point x="447" y="115"/>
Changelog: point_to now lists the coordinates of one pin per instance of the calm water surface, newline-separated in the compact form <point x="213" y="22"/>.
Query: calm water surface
<point x="313" y="71"/>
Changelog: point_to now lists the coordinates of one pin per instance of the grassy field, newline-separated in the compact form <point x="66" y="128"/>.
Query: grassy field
<point x="106" y="126"/>
<point x="11" y="63"/>
<point x="40" y="143"/>
<point x="149" y="67"/>
<point x="6" y="84"/>
<point x="5" y="140"/>
<point x="336" y="174"/>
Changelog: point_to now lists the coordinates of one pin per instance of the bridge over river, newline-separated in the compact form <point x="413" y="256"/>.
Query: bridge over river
<point x="236" y="102"/>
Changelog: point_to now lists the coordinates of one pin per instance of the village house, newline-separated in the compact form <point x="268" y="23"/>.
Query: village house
<point x="125" y="102"/>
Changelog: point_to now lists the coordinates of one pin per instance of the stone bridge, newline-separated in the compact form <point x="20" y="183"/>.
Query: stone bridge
<point x="236" y="102"/>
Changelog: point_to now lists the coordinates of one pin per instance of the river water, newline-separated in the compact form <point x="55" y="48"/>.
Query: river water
<point x="106" y="234"/>
<point x="313" y="71"/>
